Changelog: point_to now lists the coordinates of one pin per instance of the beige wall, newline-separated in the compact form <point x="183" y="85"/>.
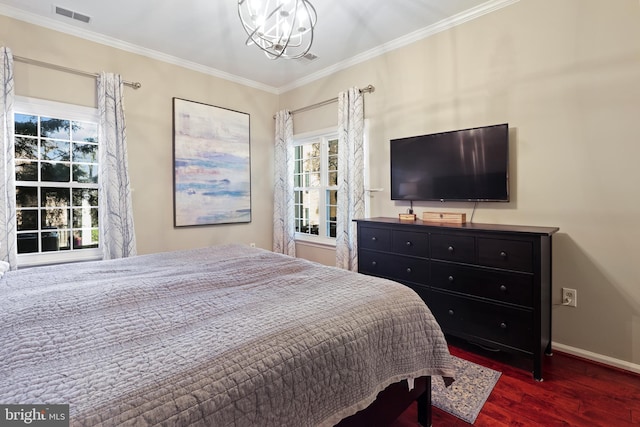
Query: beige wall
<point x="566" y="76"/>
<point x="149" y="127"/>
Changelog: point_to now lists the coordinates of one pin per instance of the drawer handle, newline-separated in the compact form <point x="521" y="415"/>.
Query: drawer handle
<point x="373" y="263"/>
<point x="450" y="279"/>
<point x="374" y="238"/>
<point x="503" y="254"/>
<point x="450" y="312"/>
<point x="409" y="243"/>
<point x="503" y="288"/>
<point x="503" y="325"/>
<point x="408" y="270"/>
<point x="451" y="249"/>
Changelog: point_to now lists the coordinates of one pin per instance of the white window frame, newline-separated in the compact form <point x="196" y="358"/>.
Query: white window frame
<point x="323" y="136"/>
<point x="41" y="107"/>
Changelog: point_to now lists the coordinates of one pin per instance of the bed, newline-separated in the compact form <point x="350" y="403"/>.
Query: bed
<point x="220" y="336"/>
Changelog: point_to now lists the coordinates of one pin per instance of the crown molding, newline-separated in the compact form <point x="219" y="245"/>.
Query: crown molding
<point x="445" y="24"/>
<point x="52" y="24"/>
<point x="423" y="33"/>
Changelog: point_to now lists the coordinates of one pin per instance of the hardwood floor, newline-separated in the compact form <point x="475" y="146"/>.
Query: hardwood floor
<point x="575" y="392"/>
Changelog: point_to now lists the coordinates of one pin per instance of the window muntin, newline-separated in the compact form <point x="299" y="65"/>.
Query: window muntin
<point x="56" y="158"/>
<point x="316" y="186"/>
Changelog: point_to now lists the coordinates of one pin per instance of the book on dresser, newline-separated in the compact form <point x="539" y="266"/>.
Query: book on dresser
<point x="489" y="284"/>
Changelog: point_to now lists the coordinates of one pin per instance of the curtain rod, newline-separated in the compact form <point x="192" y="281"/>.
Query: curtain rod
<point x="135" y="85"/>
<point x="368" y="89"/>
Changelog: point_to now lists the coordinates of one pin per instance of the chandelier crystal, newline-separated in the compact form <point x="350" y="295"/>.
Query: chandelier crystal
<point x="281" y="28"/>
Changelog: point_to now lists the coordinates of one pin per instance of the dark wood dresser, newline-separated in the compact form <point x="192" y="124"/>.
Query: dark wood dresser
<point x="489" y="284"/>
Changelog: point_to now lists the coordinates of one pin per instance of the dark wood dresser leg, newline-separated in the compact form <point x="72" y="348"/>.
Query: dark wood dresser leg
<point x="424" y="406"/>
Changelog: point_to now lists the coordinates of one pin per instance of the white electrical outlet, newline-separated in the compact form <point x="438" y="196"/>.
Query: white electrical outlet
<point x="253" y="245"/>
<point x="569" y="297"/>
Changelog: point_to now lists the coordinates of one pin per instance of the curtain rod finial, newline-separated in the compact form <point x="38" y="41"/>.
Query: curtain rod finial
<point x="368" y="89"/>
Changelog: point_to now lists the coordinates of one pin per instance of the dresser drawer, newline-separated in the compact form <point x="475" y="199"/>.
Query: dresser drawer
<point x="508" y="254"/>
<point x="374" y="238"/>
<point x="410" y="243"/>
<point x="395" y="267"/>
<point x="491" y="323"/>
<point x="453" y="248"/>
<point x="502" y="286"/>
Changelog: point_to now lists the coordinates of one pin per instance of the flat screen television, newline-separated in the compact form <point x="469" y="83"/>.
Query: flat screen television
<point x="461" y="165"/>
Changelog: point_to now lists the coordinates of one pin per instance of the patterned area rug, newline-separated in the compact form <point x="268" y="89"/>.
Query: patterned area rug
<point x="466" y="396"/>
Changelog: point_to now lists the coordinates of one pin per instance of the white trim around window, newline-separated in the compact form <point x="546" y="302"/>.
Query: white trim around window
<point x="42" y="107"/>
<point x="322" y="137"/>
<point x="329" y="134"/>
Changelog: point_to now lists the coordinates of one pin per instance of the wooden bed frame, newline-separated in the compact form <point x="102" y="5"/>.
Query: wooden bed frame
<point x="392" y="402"/>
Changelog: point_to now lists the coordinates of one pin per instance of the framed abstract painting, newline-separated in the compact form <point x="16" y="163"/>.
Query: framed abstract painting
<point x="211" y="165"/>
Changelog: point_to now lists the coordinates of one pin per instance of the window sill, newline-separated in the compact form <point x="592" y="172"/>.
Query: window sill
<point x="321" y="242"/>
<point x="62" y="257"/>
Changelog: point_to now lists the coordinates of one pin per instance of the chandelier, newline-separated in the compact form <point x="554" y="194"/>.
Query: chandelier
<point x="281" y="28"/>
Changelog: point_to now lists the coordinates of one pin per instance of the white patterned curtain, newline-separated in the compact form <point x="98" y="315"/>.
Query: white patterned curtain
<point x="116" y="213"/>
<point x="350" y="176"/>
<point x="283" y="197"/>
<point x="8" y="252"/>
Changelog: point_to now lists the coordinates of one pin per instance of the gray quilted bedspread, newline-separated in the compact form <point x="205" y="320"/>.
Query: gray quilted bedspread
<point x="221" y="336"/>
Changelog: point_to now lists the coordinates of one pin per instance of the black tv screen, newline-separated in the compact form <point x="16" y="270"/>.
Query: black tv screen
<point x="461" y="165"/>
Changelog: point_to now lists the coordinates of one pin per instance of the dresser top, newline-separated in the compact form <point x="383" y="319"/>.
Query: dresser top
<point x="472" y="226"/>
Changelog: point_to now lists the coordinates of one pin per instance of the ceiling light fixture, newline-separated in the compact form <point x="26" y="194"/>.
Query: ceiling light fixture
<point x="281" y="28"/>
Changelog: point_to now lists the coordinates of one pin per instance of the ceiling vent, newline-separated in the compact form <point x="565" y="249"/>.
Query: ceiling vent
<point x="308" y="57"/>
<point x="73" y="15"/>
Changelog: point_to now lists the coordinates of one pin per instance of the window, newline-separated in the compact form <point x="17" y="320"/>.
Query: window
<point x="316" y="186"/>
<point x="56" y="160"/>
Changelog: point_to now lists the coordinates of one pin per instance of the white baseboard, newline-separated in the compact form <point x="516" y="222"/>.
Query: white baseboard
<point x="595" y="357"/>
